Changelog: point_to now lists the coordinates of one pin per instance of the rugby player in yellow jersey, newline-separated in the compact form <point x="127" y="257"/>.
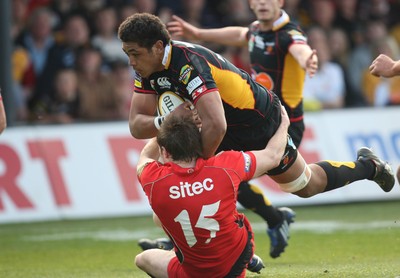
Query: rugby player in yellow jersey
<point x="236" y="112"/>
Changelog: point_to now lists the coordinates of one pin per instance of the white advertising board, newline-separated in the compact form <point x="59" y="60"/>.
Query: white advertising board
<point x="89" y="170"/>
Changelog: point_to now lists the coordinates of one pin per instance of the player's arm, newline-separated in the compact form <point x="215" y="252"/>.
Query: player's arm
<point x="306" y="57"/>
<point x="232" y="35"/>
<point x="271" y="156"/>
<point x="141" y="116"/>
<point x="3" y="120"/>
<point x="149" y="153"/>
<point x="385" y="66"/>
<point x="213" y="123"/>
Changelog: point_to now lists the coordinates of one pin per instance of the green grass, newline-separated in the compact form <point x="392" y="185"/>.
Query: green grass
<point x="360" y="240"/>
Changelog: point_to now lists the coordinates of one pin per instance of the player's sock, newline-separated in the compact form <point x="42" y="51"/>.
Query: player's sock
<point x="340" y="174"/>
<point x="251" y="197"/>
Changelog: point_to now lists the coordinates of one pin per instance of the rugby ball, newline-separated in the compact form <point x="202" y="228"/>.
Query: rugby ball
<point x="167" y="102"/>
<point x="398" y="174"/>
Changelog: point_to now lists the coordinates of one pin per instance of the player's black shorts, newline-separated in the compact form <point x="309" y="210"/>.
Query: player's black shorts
<point x="296" y="131"/>
<point x="256" y="138"/>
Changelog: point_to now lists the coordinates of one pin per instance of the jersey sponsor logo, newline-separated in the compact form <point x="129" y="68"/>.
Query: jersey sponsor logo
<point x="152" y="84"/>
<point x="269" y="48"/>
<point x="186" y="189"/>
<point x="185" y="73"/>
<point x="259" y="42"/>
<point x="199" y="91"/>
<point x="297" y="36"/>
<point x="138" y="81"/>
<point x="163" y="82"/>
<point x="264" y="79"/>
<point x="247" y="162"/>
<point x="195" y="83"/>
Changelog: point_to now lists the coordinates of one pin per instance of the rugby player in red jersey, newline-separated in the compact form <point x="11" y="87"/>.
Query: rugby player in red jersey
<point x="194" y="200"/>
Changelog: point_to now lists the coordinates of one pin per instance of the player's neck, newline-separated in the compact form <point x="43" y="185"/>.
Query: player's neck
<point x="185" y="164"/>
<point x="266" y="25"/>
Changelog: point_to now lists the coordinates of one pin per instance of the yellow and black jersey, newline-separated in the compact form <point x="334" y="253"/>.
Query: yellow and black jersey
<point x="274" y="67"/>
<point x="192" y="71"/>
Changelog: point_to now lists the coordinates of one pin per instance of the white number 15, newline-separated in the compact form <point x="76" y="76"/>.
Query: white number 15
<point x="205" y="221"/>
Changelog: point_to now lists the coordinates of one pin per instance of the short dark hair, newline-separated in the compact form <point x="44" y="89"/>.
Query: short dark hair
<point x="181" y="138"/>
<point x="144" y="29"/>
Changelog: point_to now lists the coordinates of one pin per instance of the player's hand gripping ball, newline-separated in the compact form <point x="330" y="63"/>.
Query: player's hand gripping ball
<point x="169" y="101"/>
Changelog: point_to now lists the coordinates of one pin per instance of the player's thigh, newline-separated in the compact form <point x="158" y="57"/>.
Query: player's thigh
<point x="155" y="261"/>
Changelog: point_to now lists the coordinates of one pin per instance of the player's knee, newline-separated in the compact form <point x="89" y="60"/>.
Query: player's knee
<point x="139" y="261"/>
<point x="299" y="185"/>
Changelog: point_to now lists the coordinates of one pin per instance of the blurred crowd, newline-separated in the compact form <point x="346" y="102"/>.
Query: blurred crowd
<point x="68" y="65"/>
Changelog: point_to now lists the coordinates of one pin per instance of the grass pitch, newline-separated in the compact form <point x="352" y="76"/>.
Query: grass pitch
<point x="347" y="240"/>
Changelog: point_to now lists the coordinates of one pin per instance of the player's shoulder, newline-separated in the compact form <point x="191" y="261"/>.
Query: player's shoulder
<point x="183" y="52"/>
<point x="293" y="32"/>
<point x="229" y="155"/>
<point x="183" y="46"/>
<point x="151" y="171"/>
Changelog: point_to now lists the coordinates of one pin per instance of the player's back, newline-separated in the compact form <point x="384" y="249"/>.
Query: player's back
<point x="197" y="207"/>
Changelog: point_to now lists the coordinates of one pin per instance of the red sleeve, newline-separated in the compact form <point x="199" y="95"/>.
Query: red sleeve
<point x="243" y="163"/>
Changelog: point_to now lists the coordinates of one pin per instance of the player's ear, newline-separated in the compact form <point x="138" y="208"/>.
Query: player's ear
<point x="165" y="155"/>
<point x="158" y="47"/>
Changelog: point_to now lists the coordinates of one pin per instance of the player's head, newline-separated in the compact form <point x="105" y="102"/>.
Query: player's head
<point x="144" y="38"/>
<point x="266" y="10"/>
<point x="144" y="29"/>
<point x="181" y="139"/>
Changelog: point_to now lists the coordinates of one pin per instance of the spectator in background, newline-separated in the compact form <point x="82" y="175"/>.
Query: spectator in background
<point x="150" y="6"/>
<point x="87" y="10"/>
<point x="20" y="65"/>
<point x="326" y="89"/>
<point x="37" y="39"/>
<point x="123" y="74"/>
<point x="62" y="10"/>
<point x="3" y="119"/>
<point x="362" y="55"/>
<point x="75" y="34"/>
<point x="63" y="107"/>
<point x="237" y="13"/>
<point x="105" y="37"/>
<point x="340" y="48"/>
<point x="98" y="100"/>
<point x="19" y="12"/>
<point x="347" y="20"/>
<point x="124" y="11"/>
<point x="322" y="13"/>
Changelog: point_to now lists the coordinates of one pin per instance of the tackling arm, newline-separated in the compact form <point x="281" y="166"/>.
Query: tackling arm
<point x="149" y="153"/>
<point x="232" y="35"/>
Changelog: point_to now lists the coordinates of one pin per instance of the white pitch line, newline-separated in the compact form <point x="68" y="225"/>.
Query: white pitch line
<point x="132" y="235"/>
